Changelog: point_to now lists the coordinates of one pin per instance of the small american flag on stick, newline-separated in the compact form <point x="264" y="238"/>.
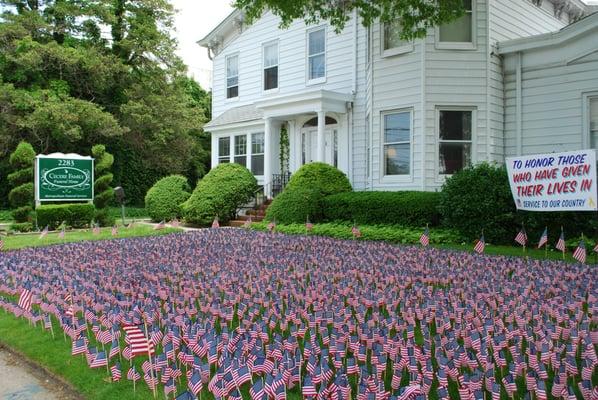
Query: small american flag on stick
<point x="580" y="252"/>
<point x="560" y="244"/>
<point x="521" y="237"/>
<point x="424" y="239"/>
<point x="215" y="223"/>
<point x="480" y="245"/>
<point x="44" y="233"/>
<point x="308" y="225"/>
<point x="114" y="231"/>
<point x="543" y="239"/>
<point x="25" y="298"/>
<point x="355" y="231"/>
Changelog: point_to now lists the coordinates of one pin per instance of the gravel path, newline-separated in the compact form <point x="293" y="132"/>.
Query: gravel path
<point x="21" y="380"/>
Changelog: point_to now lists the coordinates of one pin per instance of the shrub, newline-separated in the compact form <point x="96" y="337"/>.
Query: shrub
<point x="76" y="215"/>
<point x="220" y="193"/>
<point x="22" y="227"/>
<point x="414" y="209"/>
<point x="163" y="200"/>
<point x="103" y="193"/>
<point x="320" y="176"/>
<point x="21" y="181"/>
<point x="479" y="198"/>
<point x="295" y="205"/>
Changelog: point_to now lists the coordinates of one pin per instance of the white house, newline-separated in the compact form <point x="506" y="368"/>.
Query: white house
<point x="397" y="115"/>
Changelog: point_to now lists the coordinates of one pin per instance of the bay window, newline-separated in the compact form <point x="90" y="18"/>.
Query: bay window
<point x="454" y="140"/>
<point x="459" y="31"/>
<point x="397" y="143"/>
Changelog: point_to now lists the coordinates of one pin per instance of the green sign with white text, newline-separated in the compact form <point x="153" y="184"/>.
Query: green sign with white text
<point x="63" y="177"/>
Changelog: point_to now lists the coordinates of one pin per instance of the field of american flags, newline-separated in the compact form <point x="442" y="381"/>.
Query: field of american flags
<point x="283" y="315"/>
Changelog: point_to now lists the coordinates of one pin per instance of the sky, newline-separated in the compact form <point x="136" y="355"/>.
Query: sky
<point x="194" y="20"/>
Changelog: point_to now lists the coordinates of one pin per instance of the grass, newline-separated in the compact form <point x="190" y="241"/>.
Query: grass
<point x="33" y="240"/>
<point x="115" y="212"/>
<point x="439" y="238"/>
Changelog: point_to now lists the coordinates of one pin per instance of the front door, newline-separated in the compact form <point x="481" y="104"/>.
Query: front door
<point x="309" y="146"/>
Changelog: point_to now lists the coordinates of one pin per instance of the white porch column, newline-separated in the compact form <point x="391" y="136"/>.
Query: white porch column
<point x="321" y="138"/>
<point x="268" y="157"/>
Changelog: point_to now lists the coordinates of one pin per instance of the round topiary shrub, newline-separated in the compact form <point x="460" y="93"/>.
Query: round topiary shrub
<point x="21" y="181"/>
<point x="320" y="176"/>
<point x="220" y="193"/>
<point x="296" y="205"/>
<point x="163" y="200"/>
<point x="477" y="198"/>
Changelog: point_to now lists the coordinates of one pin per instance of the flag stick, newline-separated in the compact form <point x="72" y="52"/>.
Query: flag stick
<point x="149" y="356"/>
<point x="564" y="247"/>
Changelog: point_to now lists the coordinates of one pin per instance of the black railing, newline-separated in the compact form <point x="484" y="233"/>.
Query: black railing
<point x="279" y="182"/>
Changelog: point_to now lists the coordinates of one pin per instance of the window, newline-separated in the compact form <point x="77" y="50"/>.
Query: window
<point x="454" y="140"/>
<point x="241" y="149"/>
<point x="397" y="143"/>
<point x="593" y="122"/>
<point x="316" y="54"/>
<point x="270" y="66"/>
<point x="223" y="150"/>
<point x="392" y="36"/>
<point x="459" y="30"/>
<point x="232" y="76"/>
<point x="257" y="154"/>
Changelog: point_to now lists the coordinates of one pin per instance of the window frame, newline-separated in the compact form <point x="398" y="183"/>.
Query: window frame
<point x="393" y="51"/>
<point x="441" y="45"/>
<point x="234" y="152"/>
<point x="252" y="154"/>
<point x="226" y="77"/>
<point x="586" y="115"/>
<point x="228" y="156"/>
<point x="322" y="79"/>
<point x="385" y="178"/>
<point x="264" y="45"/>
<point x="472" y="141"/>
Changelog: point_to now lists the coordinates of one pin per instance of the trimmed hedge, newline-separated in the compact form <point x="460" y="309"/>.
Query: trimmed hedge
<point x="320" y="176"/>
<point x="407" y="208"/>
<point x="163" y="200"/>
<point x="76" y="215"/>
<point x="220" y="193"/>
<point x="21" y="181"/>
<point x="296" y="205"/>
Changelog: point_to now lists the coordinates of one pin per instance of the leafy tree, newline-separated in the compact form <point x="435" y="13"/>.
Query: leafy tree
<point x="21" y="181"/>
<point x="414" y="16"/>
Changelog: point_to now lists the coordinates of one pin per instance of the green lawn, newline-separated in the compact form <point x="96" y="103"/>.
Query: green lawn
<point x="33" y="240"/>
<point x="130" y="213"/>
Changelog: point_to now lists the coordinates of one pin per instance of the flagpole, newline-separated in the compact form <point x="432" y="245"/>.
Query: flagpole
<point x="564" y="246"/>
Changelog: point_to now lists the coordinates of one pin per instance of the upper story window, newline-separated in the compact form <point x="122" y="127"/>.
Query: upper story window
<point x="223" y="150"/>
<point x="397" y="143"/>
<point x="232" y="76"/>
<point x="594" y="122"/>
<point x="391" y="39"/>
<point x="460" y="32"/>
<point x="271" y="66"/>
<point x="316" y="54"/>
<point x="454" y="140"/>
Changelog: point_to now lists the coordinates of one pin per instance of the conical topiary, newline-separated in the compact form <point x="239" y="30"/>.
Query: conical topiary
<point x="103" y="191"/>
<point x="21" y="181"/>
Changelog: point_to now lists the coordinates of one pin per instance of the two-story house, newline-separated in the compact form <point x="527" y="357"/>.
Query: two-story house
<point x="394" y="114"/>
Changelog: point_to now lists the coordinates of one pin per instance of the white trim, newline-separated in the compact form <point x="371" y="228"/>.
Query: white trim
<point x="393" y="51"/>
<point x="440" y="177"/>
<point x="586" y="140"/>
<point x="404" y="178"/>
<point x="273" y="90"/>
<point x="460" y="45"/>
<point x="322" y="79"/>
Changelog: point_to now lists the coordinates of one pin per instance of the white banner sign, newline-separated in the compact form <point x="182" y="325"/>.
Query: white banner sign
<point x="554" y="182"/>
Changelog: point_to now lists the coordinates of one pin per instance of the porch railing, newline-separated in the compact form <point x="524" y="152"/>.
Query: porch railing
<point x="279" y="182"/>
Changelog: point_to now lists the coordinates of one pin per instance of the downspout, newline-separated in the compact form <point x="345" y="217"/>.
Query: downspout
<point x="210" y="53"/>
<point x="354" y="83"/>
<point x="519" y="108"/>
<point x="354" y="93"/>
<point x="423" y="112"/>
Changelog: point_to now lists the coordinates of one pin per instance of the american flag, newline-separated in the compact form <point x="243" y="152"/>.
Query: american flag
<point x="44" y="233"/>
<point x="62" y="233"/>
<point x="424" y="239"/>
<point x="139" y="343"/>
<point x="271" y="226"/>
<point x="247" y="223"/>
<point x="194" y="383"/>
<point x="1" y="244"/>
<point x="215" y="223"/>
<point x="560" y="244"/>
<point x="580" y="252"/>
<point x="309" y="226"/>
<point x="114" y="231"/>
<point x="595" y="248"/>
<point x="159" y="226"/>
<point x="521" y="237"/>
<point x="100" y="360"/>
<point x="115" y="370"/>
<point x="480" y="245"/>
<point x="355" y="231"/>
<point x="132" y="374"/>
<point x="175" y="223"/>
<point x="25" y="298"/>
<point x="96" y="229"/>
<point x="544" y="238"/>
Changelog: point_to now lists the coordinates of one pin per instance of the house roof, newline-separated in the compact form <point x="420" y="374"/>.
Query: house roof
<point x="236" y="115"/>
<point x="569" y="32"/>
<point x="225" y="26"/>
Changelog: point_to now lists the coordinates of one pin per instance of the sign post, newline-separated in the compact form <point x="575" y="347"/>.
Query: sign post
<point x="554" y="182"/>
<point x="63" y="177"/>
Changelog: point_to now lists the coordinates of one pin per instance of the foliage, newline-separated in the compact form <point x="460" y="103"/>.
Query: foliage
<point x="320" y="176"/>
<point x="284" y="155"/>
<point x="296" y="205"/>
<point x="76" y="215"/>
<point x="5" y="215"/>
<point x="130" y="212"/>
<point x="73" y="74"/>
<point x="388" y="233"/>
<point x="21" y="227"/>
<point x="414" y="16"/>
<point x="479" y="198"/>
<point x="103" y="192"/>
<point x="416" y="209"/>
<point x="219" y="194"/>
<point x="163" y="201"/>
<point x="21" y="181"/>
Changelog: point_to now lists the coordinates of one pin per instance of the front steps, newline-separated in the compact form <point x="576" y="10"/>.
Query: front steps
<point x="257" y="215"/>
